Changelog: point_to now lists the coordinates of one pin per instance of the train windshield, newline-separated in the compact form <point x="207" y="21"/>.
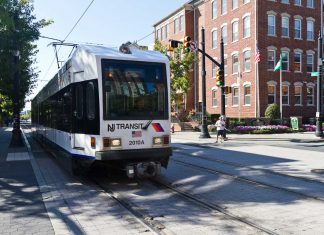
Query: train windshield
<point x="134" y="90"/>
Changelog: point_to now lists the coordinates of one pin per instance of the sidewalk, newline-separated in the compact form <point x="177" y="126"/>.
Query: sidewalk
<point x="193" y="137"/>
<point x="22" y="210"/>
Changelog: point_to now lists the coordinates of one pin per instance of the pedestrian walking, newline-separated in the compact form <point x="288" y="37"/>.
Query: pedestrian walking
<point x="220" y="127"/>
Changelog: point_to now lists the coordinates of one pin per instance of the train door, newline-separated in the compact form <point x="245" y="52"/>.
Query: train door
<point x="78" y="117"/>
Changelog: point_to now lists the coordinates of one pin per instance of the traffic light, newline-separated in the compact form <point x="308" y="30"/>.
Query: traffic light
<point x="219" y="78"/>
<point x="172" y="44"/>
<point x="186" y="44"/>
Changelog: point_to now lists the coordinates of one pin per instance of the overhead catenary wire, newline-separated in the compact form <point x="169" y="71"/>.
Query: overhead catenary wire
<point x="84" y="12"/>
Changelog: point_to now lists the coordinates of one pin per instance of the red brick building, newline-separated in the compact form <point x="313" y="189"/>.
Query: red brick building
<point x="286" y="27"/>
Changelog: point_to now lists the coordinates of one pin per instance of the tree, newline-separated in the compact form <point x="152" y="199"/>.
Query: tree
<point x="181" y="65"/>
<point x="272" y="112"/>
<point x="18" y="32"/>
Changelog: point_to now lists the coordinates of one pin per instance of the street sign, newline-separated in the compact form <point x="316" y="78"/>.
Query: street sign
<point x="314" y="74"/>
<point x="294" y="123"/>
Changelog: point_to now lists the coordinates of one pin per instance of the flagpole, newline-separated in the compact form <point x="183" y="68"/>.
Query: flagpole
<point x="280" y="87"/>
<point x="239" y="92"/>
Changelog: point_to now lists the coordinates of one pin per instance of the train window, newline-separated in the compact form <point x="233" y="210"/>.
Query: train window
<point x="79" y="101"/>
<point x="90" y="101"/>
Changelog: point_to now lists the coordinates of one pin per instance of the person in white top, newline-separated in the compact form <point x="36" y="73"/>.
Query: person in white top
<point x="220" y="125"/>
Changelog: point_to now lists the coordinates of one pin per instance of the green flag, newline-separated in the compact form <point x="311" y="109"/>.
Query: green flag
<point x="278" y="65"/>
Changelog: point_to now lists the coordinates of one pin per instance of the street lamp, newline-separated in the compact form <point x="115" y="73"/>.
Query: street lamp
<point x="318" y="131"/>
<point x="16" y="139"/>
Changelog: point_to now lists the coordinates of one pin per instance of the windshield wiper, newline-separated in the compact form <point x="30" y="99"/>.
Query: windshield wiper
<point x="147" y="124"/>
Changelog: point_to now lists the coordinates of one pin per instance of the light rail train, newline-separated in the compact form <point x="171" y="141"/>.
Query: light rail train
<point x="108" y="105"/>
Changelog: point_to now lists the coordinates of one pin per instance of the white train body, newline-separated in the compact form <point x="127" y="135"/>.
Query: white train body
<point x="107" y="105"/>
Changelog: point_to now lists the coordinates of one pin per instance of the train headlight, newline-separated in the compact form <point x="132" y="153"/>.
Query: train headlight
<point x="157" y="141"/>
<point x="115" y="142"/>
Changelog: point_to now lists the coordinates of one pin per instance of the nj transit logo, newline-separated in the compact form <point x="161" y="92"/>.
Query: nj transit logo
<point x="157" y="127"/>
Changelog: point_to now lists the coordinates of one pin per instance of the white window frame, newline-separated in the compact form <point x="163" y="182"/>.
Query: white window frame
<point x="310" y="30"/>
<point x="247" y="96"/>
<point x="297" y="2"/>
<point x="310" y="3"/>
<point x="235" y="64"/>
<point x="311" y="96"/>
<point x="283" y="26"/>
<point x="271" y="27"/>
<point x="234" y="4"/>
<point x="214" y="9"/>
<point x="235" y="97"/>
<point x="274" y="92"/>
<point x="274" y="59"/>
<point x="176" y="25"/>
<point x="285" y="95"/>
<point x="246" y="61"/>
<point x="284" y="61"/>
<point x="214" y="38"/>
<point x="299" y="53"/>
<point x="307" y="64"/>
<point x="224" y="33"/>
<point x="297" y="31"/>
<point x="246" y="26"/>
<point x="235" y="33"/>
<point x="181" y="23"/>
<point x="300" y="95"/>
<point x="223" y="7"/>
<point x="214" y="69"/>
<point x="214" y="97"/>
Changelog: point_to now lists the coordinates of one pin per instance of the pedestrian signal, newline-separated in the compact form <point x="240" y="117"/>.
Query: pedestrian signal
<point x="172" y="44"/>
<point x="219" y="78"/>
<point x="186" y="44"/>
<point x="227" y="89"/>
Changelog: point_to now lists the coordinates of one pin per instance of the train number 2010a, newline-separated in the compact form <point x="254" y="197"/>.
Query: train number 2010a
<point x="136" y="142"/>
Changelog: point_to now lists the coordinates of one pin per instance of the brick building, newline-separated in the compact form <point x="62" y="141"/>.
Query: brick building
<point x="286" y="27"/>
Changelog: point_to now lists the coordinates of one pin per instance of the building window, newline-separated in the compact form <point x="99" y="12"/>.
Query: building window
<point x="285" y="1"/>
<point x="271" y="25"/>
<point x="234" y="31"/>
<point x="167" y="32"/>
<point x="297" y="62"/>
<point x="271" y="94"/>
<point x="214" y="98"/>
<point x="310" y="3"/>
<point x="246" y="60"/>
<point x="214" y="39"/>
<point x="234" y="4"/>
<point x="246" y="1"/>
<point x="223" y="7"/>
<point x="226" y="99"/>
<point x="285" y="61"/>
<point x="298" y="95"/>
<point x="298" y="28"/>
<point x="271" y="59"/>
<point x="224" y="34"/>
<point x="246" y="26"/>
<point x="234" y="63"/>
<point x="181" y="23"/>
<point x="310" y="30"/>
<point x="235" y="97"/>
<point x="214" y="69"/>
<point x="297" y="2"/>
<point x="176" y="25"/>
<point x="310" y="95"/>
<point x="247" y="95"/>
<point x="285" y="27"/>
<point x="214" y="9"/>
<point x="158" y="34"/>
<point x="225" y="65"/>
<point x="310" y="63"/>
<point x="285" y="94"/>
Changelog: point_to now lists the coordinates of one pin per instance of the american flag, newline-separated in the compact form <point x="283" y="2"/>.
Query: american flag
<point x="136" y="134"/>
<point x="257" y="54"/>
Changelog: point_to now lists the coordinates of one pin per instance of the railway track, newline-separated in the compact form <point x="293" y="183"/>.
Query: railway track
<point x="246" y="179"/>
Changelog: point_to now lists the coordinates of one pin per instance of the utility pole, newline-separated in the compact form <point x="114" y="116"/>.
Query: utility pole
<point x="319" y="132"/>
<point x="222" y="69"/>
<point x="204" y="130"/>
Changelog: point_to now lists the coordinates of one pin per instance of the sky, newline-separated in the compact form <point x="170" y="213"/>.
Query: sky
<point x="107" y="22"/>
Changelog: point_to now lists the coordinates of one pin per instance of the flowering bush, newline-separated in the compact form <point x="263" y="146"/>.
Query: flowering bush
<point x="262" y="129"/>
<point x="308" y="127"/>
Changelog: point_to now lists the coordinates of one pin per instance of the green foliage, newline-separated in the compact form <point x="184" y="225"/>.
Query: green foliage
<point x="181" y="65"/>
<point x="18" y="31"/>
<point x="272" y="112"/>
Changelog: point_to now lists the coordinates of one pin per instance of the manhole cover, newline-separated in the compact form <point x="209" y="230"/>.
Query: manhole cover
<point x="318" y="171"/>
